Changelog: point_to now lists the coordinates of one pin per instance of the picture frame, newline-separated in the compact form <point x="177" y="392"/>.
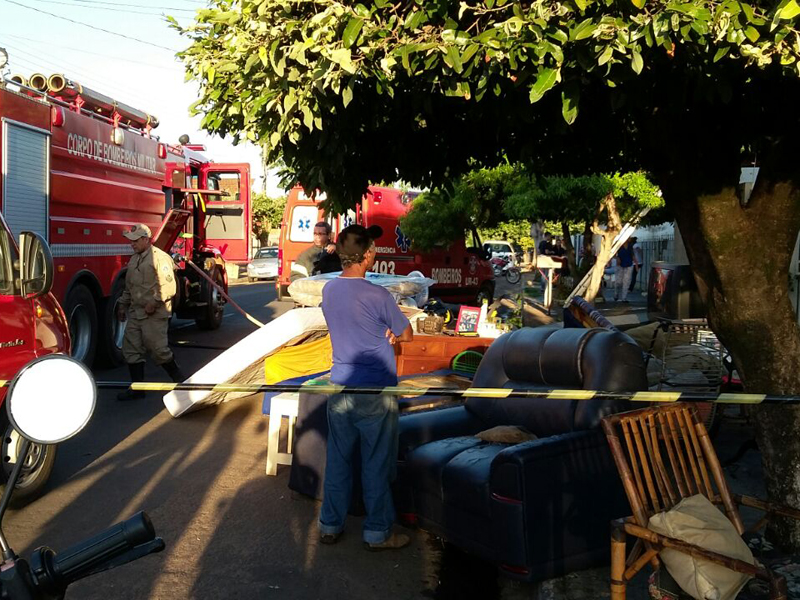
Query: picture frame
<point x="468" y="318"/>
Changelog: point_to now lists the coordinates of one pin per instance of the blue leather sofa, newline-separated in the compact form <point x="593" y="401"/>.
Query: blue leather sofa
<point x="538" y="509"/>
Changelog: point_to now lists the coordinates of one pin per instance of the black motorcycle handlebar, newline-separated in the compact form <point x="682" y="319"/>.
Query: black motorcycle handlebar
<point x="128" y="540"/>
<point x="77" y="561"/>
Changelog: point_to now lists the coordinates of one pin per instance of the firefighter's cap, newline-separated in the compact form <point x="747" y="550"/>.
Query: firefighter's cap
<point x="139" y="230"/>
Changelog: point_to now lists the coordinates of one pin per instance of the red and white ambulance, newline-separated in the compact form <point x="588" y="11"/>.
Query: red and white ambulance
<point x="462" y="274"/>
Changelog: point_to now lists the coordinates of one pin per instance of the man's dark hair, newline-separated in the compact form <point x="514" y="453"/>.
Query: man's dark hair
<point x="324" y="224"/>
<point x="354" y="241"/>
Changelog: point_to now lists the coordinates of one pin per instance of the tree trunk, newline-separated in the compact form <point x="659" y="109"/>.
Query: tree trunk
<point x="571" y="262"/>
<point x="607" y="235"/>
<point x="740" y="258"/>
<point x="599" y="267"/>
<point x="588" y="247"/>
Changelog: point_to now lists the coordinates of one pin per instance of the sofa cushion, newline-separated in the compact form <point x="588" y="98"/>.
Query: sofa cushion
<point x="454" y="472"/>
<point x="425" y="464"/>
<point x="541" y="416"/>
<point x="519" y="356"/>
<point x="465" y="479"/>
<point x="591" y="359"/>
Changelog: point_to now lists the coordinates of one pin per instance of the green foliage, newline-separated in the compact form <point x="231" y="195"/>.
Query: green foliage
<point x="474" y="202"/>
<point x="268" y="212"/>
<point x="348" y="92"/>
<point x="503" y="201"/>
<point x="575" y="200"/>
<point x="516" y="232"/>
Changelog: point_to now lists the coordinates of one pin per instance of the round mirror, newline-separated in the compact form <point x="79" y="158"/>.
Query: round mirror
<point x="51" y="399"/>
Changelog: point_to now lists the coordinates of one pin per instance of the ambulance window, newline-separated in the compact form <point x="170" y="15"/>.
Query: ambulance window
<point x="7" y="257"/>
<point x="303" y="220"/>
<point x="224" y="182"/>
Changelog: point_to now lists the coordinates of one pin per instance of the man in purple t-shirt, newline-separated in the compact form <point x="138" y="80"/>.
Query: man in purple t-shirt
<point x="364" y="323"/>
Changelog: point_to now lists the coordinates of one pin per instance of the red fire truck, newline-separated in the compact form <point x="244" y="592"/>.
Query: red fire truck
<point x="80" y="168"/>
<point x="462" y="274"/>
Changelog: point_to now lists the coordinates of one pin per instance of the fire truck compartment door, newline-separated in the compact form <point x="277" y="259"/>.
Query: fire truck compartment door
<point x="228" y="218"/>
<point x="26" y="180"/>
<point x="170" y="229"/>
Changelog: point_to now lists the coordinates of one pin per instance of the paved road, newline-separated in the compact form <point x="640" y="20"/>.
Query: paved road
<point x="231" y="531"/>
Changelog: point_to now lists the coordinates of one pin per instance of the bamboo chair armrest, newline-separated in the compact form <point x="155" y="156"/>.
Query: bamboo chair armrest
<point x="768" y="507"/>
<point x="734" y="564"/>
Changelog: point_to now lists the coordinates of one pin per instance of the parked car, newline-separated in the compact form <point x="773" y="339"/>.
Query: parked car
<point x="264" y="264"/>
<point x="502" y="249"/>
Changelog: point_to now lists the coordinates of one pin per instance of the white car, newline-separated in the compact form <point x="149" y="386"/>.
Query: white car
<point x="264" y="264"/>
<point x="500" y="248"/>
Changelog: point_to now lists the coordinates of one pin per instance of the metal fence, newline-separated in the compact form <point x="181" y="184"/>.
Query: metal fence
<point x="657" y="249"/>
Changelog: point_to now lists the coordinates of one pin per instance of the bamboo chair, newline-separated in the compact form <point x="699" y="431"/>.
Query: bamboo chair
<point x="663" y="455"/>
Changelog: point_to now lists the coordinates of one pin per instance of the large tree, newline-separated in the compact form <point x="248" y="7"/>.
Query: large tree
<point x="689" y="91"/>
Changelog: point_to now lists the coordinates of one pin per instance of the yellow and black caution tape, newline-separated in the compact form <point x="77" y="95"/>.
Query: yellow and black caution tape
<point x="329" y="388"/>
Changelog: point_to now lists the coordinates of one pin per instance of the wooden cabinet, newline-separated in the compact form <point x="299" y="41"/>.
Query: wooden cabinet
<point x="432" y="352"/>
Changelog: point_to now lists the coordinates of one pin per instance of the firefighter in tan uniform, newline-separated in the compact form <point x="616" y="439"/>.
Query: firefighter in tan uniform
<point x="146" y="303"/>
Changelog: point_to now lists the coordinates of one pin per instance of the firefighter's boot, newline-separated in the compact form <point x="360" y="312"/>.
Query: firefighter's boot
<point x="174" y="371"/>
<point x="137" y="375"/>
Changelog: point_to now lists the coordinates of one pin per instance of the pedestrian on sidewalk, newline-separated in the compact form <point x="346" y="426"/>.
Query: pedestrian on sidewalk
<point x="638" y="260"/>
<point x="364" y="322"/>
<point x="623" y="272"/>
<point x="146" y="305"/>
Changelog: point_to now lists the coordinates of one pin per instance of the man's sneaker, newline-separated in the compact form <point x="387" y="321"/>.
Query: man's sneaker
<point x="330" y="538"/>
<point x="393" y="542"/>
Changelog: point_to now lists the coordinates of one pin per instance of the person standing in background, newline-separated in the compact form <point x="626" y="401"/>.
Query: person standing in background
<point x="638" y="260"/>
<point x="623" y="272"/>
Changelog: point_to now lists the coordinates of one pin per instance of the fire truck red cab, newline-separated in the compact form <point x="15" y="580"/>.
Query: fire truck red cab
<point x="462" y="274"/>
<point x="32" y="324"/>
<point x="81" y="169"/>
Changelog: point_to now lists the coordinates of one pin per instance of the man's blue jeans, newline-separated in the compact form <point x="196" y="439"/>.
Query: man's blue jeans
<point x="370" y="421"/>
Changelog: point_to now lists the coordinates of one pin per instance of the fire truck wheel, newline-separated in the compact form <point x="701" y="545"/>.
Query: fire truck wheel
<point x="485" y="293"/>
<point x="36" y="470"/>
<point x="112" y="329"/>
<point x="211" y="317"/>
<point x="82" y="318"/>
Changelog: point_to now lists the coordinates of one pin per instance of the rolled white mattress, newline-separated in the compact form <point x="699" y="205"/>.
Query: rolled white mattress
<point x="244" y="361"/>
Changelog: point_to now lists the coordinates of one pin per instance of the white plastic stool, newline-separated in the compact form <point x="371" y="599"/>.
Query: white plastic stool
<point x="282" y="405"/>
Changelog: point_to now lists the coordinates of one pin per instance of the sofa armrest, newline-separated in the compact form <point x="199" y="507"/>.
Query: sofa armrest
<point x="566" y="490"/>
<point x="416" y="429"/>
<point x="566" y="461"/>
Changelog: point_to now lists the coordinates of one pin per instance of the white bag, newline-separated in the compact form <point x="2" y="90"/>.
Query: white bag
<point x="696" y="521"/>
<point x="308" y="290"/>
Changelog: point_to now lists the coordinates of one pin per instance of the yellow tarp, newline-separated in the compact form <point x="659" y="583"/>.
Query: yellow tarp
<point x="297" y="361"/>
